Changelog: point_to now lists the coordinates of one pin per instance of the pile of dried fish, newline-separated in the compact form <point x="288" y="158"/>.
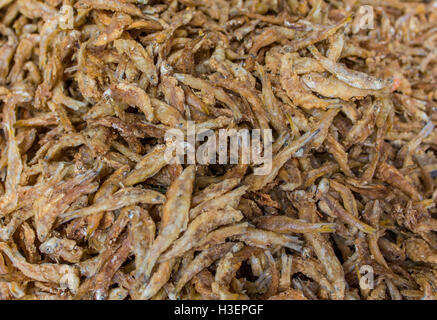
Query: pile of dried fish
<point x="90" y="208"/>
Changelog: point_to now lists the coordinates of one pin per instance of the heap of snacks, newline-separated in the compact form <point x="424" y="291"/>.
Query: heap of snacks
<point x="90" y="208"/>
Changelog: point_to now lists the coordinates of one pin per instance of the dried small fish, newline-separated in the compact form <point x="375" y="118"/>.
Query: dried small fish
<point x="298" y="93"/>
<point x="351" y="77"/>
<point x="114" y="30"/>
<point x="337" y="209"/>
<point x="203" y="260"/>
<point x="257" y="182"/>
<point x="122" y="198"/>
<point x="133" y="95"/>
<point x="284" y="224"/>
<point x="63" y="248"/>
<point x="343" y="177"/>
<point x="147" y="167"/>
<point x="263" y="239"/>
<point x="334" y="88"/>
<point x="141" y="59"/>
<point x="199" y="228"/>
<point x="62" y="274"/>
<point x="206" y="87"/>
<point x="174" y="216"/>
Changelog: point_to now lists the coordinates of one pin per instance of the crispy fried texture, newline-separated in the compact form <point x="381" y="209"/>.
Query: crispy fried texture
<point x="90" y="208"/>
